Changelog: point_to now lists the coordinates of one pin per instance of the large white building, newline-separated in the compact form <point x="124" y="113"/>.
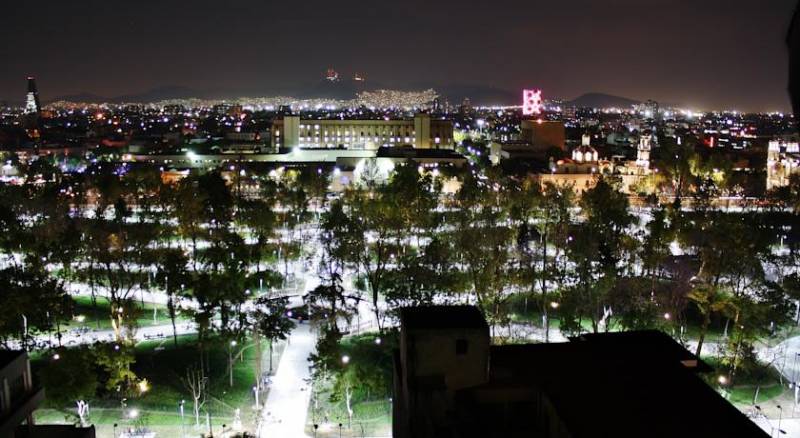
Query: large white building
<point x="421" y="132"/>
<point x="783" y="159"/>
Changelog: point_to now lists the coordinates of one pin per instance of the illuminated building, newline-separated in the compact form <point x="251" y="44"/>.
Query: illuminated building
<point x="585" y="167"/>
<point x="421" y="132"/>
<point x="466" y="106"/>
<point x="332" y="75"/>
<point x="32" y="110"/>
<point x="783" y="160"/>
<point x="643" y="151"/>
<point x="531" y="102"/>
<point x="32" y="105"/>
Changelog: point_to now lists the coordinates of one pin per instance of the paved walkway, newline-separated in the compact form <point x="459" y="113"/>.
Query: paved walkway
<point x="284" y="413"/>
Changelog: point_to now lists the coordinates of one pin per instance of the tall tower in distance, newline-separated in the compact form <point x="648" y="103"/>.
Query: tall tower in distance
<point x="30" y="117"/>
<point x="32" y="105"/>
<point x="643" y="151"/>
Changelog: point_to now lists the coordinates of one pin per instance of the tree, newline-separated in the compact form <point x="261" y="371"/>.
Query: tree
<point x="115" y="360"/>
<point x="597" y="248"/>
<point x="329" y="303"/>
<point x="710" y="300"/>
<point x="197" y="383"/>
<point x="32" y="303"/>
<point x="115" y="251"/>
<point x="172" y="274"/>
<point x="544" y="216"/>
<point x="359" y="233"/>
<point x="272" y="320"/>
<point x="72" y="378"/>
<point x="483" y="241"/>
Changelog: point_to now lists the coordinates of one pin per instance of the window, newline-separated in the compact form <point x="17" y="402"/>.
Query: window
<point x="461" y="347"/>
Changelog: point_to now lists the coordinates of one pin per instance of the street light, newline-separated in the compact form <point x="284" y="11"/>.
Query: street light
<point x="345" y="359"/>
<point x="230" y="361"/>
<point x="183" y="423"/>
<point x="780" y="417"/>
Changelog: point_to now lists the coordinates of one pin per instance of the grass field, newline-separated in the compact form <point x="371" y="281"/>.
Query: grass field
<point x="164" y="366"/>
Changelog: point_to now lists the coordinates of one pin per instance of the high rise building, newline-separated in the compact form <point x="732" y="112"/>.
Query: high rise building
<point x="32" y="105"/>
<point x="32" y="110"/>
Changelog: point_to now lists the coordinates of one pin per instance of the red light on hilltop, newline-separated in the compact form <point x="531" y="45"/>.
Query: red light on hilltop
<point x="531" y="102"/>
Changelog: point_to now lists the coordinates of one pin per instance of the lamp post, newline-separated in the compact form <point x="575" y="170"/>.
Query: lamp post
<point x="780" y="417"/>
<point x="230" y="361"/>
<point x="183" y="423"/>
<point x="255" y="391"/>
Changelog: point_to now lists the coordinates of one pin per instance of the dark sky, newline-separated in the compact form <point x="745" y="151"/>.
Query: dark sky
<point x="708" y="53"/>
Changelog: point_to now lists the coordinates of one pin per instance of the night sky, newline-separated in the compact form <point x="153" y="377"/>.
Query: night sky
<point x="706" y="53"/>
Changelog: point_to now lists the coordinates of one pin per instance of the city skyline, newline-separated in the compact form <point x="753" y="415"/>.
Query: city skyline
<point x="718" y="55"/>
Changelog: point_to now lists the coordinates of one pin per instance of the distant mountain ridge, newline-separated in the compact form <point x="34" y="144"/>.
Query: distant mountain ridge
<point x="602" y="100"/>
<point x="344" y="90"/>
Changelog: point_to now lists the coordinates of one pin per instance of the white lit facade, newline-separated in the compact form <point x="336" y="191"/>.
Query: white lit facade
<point x="783" y="159"/>
<point x="420" y="132"/>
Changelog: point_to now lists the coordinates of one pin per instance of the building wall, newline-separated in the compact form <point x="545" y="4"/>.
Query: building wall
<point x="783" y="159"/>
<point x="543" y="134"/>
<point x="581" y="182"/>
<point x="421" y="132"/>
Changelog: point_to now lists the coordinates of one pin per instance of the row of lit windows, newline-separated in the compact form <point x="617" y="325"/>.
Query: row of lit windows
<point x="352" y="133"/>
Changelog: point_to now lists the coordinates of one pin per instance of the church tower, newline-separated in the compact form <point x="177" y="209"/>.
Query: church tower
<point x="643" y="151"/>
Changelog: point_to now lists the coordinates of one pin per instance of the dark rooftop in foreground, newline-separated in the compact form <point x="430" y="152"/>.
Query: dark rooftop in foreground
<point x="442" y="317"/>
<point x="632" y="384"/>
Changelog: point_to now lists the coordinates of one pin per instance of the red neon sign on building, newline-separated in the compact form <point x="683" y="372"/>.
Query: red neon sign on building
<point x="531" y="102"/>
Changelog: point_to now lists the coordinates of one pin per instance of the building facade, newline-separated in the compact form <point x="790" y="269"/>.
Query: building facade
<point x="783" y="160"/>
<point x="421" y="132"/>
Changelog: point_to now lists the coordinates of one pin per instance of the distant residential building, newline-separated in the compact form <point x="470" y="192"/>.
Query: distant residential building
<point x="783" y="159"/>
<point x="449" y="381"/>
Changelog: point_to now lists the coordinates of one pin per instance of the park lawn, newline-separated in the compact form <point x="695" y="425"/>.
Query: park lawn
<point x="163" y="365"/>
<point x="766" y="379"/>
<point x="370" y="418"/>
<point x="98" y="318"/>
<point x="743" y="394"/>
